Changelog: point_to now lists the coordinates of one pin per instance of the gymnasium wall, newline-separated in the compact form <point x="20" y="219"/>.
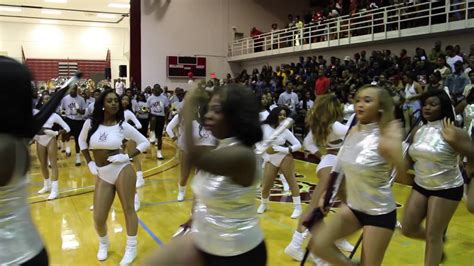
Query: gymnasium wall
<point x="56" y="41"/>
<point x="204" y="28"/>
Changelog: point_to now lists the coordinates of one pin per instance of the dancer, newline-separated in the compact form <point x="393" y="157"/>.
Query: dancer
<point x="20" y="242"/>
<point x="278" y="157"/>
<point x="131" y="145"/>
<point x="366" y="158"/>
<point x="325" y="138"/>
<point x="158" y="105"/>
<point x="225" y="221"/>
<point x="74" y="107"/>
<point x="438" y="185"/>
<point x="46" y="147"/>
<point x="203" y="140"/>
<point x="104" y="134"/>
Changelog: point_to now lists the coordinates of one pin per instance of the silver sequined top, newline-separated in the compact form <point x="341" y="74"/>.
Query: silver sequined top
<point x="469" y="118"/>
<point x="225" y="219"/>
<point x="436" y="163"/>
<point x="19" y="239"/>
<point x="367" y="173"/>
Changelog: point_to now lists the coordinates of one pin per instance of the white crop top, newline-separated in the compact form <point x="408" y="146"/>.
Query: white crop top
<point x="111" y="137"/>
<point x="54" y="119"/>
<point x="282" y="138"/>
<point x="202" y="137"/>
<point x="338" y="132"/>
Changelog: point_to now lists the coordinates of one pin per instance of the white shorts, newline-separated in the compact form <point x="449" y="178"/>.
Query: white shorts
<point x="328" y="160"/>
<point x="111" y="172"/>
<point x="275" y="159"/>
<point x="43" y="140"/>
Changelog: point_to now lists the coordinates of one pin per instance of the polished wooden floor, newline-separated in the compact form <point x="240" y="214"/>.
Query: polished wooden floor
<point x="66" y="223"/>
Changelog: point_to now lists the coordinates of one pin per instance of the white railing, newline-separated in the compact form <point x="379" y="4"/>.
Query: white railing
<point x="330" y="32"/>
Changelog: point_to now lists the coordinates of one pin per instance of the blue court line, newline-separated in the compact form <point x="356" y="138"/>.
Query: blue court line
<point x="148" y="230"/>
<point x="164" y="202"/>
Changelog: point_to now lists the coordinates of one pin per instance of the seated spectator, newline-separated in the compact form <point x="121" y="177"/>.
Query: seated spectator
<point x="443" y="68"/>
<point x="436" y="52"/>
<point x="456" y="82"/>
<point x="452" y="57"/>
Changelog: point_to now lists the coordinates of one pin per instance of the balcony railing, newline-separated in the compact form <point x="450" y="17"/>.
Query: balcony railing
<point x="382" y="23"/>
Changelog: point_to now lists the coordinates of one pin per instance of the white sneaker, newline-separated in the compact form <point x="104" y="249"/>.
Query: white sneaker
<point x="91" y="208"/>
<point x="103" y="251"/>
<point x="343" y="244"/>
<point x="129" y="256"/>
<point x="296" y="213"/>
<point x="136" y="202"/>
<point x="140" y="182"/>
<point x="262" y="208"/>
<point x="53" y="195"/>
<point x="44" y="190"/>
<point x="317" y="261"/>
<point x="294" y="252"/>
<point x="68" y="152"/>
<point x="181" y="196"/>
<point x="159" y="155"/>
<point x="78" y="160"/>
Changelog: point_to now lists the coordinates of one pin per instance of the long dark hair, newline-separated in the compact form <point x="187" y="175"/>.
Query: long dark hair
<point x="445" y="101"/>
<point x="98" y="115"/>
<point x="129" y="107"/>
<point x="272" y="118"/>
<point x="240" y="108"/>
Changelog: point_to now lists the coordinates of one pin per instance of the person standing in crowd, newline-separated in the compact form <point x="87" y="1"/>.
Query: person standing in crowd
<point x="120" y="87"/>
<point x="158" y="105"/>
<point x="75" y="109"/>
<point x="224" y="217"/>
<point x="47" y="150"/>
<point x="452" y="57"/>
<point x="411" y="107"/>
<point x="289" y="99"/>
<point x="456" y="82"/>
<point x="279" y="158"/>
<point x="321" y="85"/>
<point x="104" y="134"/>
<point x="369" y="151"/>
<point x="143" y="114"/>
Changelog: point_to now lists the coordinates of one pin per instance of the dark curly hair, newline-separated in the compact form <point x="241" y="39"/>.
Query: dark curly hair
<point x="446" y="106"/>
<point x="98" y="115"/>
<point x="272" y="118"/>
<point x="240" y="108"/>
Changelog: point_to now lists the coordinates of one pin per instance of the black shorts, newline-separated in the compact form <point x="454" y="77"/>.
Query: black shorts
<point x="159" y="125"/>
<point x="450" y="193"/>
<point x="254" y="257"/>
<point x="388" y="220"/>
<point x="75" y="125"/>
<point x="39" y="260"/>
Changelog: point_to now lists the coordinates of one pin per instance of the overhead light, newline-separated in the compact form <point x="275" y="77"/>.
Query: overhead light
<point x="10" y="9"/>
<point x="56" y="1"/>
<point x="119" y="5"/>
<point x="51" y="12"/>
<point x="102" y="15"/>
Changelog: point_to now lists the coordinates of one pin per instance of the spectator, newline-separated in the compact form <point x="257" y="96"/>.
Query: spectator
<point x="289" y="98"/>
<point x="436" y="52"/>
<point x="456" y="83"/>
<point x="452" y="57"/>
<point x="257" y="40"/>
<point x="443" y="68"/>
<point x="321" y="85"/>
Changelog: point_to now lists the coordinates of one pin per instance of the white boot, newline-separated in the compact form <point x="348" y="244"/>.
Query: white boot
<point x="140" y="180"/>
<point x="46" y="186"/>
<point x="297" y="207"/>
<point x="136" y="202"/>
<point x="130" y="251"/>
<point x="68" y="150"/>
<point x="152" y="137"/>
<point x="159" y="155"/>
<point x="181" y="192"/>
<point x="343" y="244"/>
<point x="294" y="249"/>
<point x="78" y="159"/>
<point x="103" y="248"/>
<point x="54" y="190"/>
<point x="263" y="206"/>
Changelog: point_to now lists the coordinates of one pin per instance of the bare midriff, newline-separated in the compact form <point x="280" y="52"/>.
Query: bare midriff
<point x="100" y="156"/>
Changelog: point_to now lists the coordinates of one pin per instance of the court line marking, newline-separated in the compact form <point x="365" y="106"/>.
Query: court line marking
<point x="150" y="232"/>
<point x="164" y="202"/>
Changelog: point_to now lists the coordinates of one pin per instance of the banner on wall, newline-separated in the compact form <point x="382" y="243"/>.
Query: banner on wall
<point x="180" y="66"/>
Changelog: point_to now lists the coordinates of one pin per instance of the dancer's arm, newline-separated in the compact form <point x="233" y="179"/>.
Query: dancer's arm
<point x="132" y="133"/>
<point x="83" y="145"/>
<point x="172" y="125"/>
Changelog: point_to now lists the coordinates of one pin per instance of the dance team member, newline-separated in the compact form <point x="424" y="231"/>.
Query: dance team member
<point x="104" y="134"/>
